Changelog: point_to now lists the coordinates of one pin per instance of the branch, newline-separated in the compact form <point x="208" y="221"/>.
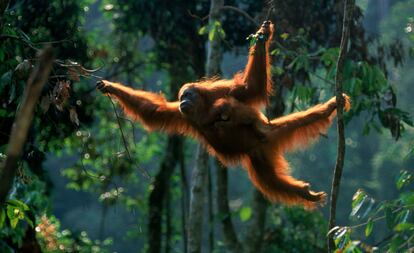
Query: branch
<point x="144" y="172"/>
<point x="20" y="39"/>
<point x="23" y="120"/>
<point x="3" y="6"/>
<point x="242" y="12"/>
<point x="348" y="9"/>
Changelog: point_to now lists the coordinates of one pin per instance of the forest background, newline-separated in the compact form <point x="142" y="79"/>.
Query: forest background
<point x="91" y="180"/>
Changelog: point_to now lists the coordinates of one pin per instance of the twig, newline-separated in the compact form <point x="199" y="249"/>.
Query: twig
<point x="198" y="17"/>
<point x="86" y="171"/>
<point x="322" y="78"/>
<point x="382" y="216"/>
<point x="23" y="120"/>
<point x="143" y="170"/>
<point x="23" y="40"/>
<point x="29" y="43"/>
<point x="348" y="9"/>
<point x="386" y="238"/>
<point x="232" y="8"/>
<point x="245" y="14"/>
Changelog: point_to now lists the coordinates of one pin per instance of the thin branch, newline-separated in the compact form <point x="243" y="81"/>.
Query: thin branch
<point x="198" y="17"/>
<point x="3" y="6"/>
<point x="143" y="170"/>
<point x="240" y="11"/>
<point x="348" y="9"/>
<point x="20" y="39"/>
<point x="323" y="79"/>
<point x="230" y="239"/>
<point x="381" y="217"/>
<point x="23" y="120"/>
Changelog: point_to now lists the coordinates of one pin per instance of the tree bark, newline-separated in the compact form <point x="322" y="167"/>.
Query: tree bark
<point x="23" y="120"/>
<point x="230" y="239"/>
<point x="254" y="237"/>
<point x="195" y="228"/>
<point x="160" y="187"/>
<point x="210" y="211"/>
<point x="199" y="181"/>
<point x="184" y="202"/>
<point x="348" y="9"/>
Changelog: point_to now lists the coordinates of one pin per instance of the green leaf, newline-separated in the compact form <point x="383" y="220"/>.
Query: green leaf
<point x="403" y="227"/>
<point x="2" y="217"/>
<point x="389" y="217"/>
<point x="18" y="204"/>
<point x="407" y="198"/>
<point x="13" y="222"/>
<point x="284" y="36"/>
<point x="342" y="237"/>
<point x="276" y="70"/>
<point x="10" y="212"/>
<point x="403" y="216"/>
<point x="369" y="227"/>
<point x="222" y="33"/>
<point x="212" y="34"/>
<point x="404" y="178"/>
<point x="369" y="207"/>
<point x="276" y="51"/>
<point x="352" y="247"/>
<point x="245" y="214"/>
<point x="202" y="30"/>
<point x="395" y="244"/>
<point x="357" y="201"/>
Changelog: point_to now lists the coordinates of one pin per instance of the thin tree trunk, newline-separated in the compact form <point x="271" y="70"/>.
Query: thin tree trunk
<point x="195" y="227"/>
<point x="348" y="9"/>
<point x="195" y="222"/>
<point x="158" y="194"/>
<point x="168" y="229"/>
<point x="184" y="202"/>
<point x="210" y="211"/>
<point x="254" y="237"/>
<point x="231" y="242"/>
<point x="23" y="120"/>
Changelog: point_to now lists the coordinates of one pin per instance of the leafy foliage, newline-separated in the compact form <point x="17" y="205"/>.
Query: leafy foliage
<point x="396" y="213"/>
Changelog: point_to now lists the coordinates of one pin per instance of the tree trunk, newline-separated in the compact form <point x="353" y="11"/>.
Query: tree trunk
<point x="210" y="211"/>
<point x="199" y="181"/>
<point x="231" y="242"/>
<point x="195" y="227"/>
<point x="159" y="192"/>
<point x="254" y="236"/>
<point x="184" y="202"/>
<point x="23" y="120"/>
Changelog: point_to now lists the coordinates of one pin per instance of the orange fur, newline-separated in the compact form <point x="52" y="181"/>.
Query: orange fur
<point x="224" y="115"/>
